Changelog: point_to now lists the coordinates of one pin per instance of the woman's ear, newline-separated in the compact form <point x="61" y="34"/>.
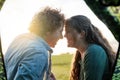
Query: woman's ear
<point x="82" y="34"/>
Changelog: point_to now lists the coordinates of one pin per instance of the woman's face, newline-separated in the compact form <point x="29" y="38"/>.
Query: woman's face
<point x="73" y="37"/>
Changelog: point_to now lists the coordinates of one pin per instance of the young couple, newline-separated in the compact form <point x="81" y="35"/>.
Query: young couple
<point x="29" y="55"/>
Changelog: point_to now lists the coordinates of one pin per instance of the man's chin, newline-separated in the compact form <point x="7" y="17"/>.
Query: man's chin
<point x="69" y="46"/>
<point x="52" y="46"/>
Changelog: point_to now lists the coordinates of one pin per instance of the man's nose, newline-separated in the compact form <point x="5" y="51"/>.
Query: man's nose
<point x="64" y="35"/>
<point x="61" y="36"/>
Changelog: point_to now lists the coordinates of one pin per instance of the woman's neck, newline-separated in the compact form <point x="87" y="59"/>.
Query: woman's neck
<point x="82" y="49"/>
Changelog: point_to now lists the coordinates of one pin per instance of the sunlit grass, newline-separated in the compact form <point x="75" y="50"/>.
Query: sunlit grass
<point x="61" y="66"/>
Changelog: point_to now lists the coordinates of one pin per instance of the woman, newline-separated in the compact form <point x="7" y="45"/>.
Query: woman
<point x="94" y="57"/>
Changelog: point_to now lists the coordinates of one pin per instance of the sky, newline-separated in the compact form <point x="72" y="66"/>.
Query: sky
<point x="16" y="15"/>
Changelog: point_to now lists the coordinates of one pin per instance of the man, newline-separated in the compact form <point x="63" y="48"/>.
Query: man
<point x="27" y="56"/>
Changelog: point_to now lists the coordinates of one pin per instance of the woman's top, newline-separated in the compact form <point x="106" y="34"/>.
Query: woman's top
<point x="95" y="65"/>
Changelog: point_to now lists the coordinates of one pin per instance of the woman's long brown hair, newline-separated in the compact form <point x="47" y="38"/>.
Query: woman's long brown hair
<point x="93" y="35"/>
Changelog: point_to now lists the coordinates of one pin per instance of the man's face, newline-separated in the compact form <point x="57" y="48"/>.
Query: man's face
<point x="53" y="37"/>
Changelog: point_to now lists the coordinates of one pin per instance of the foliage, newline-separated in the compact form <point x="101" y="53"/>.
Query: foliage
<point x="116" y="75"/>
<point x="110" y="2"/>
<point x="115" y="12"/>
<point x="2" y="72"/>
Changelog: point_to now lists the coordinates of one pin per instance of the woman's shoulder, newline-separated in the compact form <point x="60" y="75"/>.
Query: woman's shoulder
<point x="96" y="49"/>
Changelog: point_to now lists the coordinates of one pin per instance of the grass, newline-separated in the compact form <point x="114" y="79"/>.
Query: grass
<point x="61" y="66"/>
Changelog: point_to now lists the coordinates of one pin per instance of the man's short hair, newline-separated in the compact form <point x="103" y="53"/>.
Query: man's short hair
<point x="47" y="20"/>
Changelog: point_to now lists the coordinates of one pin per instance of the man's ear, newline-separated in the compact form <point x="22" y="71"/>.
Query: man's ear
<point x="47" y="36"/>
<point x="48" y="33"/>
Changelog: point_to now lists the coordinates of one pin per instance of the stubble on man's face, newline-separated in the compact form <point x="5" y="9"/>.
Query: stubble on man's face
<point x="54" y="37"/>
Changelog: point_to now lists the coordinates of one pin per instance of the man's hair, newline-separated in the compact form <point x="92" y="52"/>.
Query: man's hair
<point x="47" y="20"/>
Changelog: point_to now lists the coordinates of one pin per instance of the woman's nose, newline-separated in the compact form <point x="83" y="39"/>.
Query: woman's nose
<point x="64" y="35"/>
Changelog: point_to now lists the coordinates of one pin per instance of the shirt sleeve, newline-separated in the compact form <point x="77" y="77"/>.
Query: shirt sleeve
<point x="32" y="66"/>
<point x="94" y="64"/>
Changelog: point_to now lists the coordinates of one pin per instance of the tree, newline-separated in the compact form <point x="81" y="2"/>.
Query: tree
<point x="110" y="2"/>
<point x="110" y="15"/>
